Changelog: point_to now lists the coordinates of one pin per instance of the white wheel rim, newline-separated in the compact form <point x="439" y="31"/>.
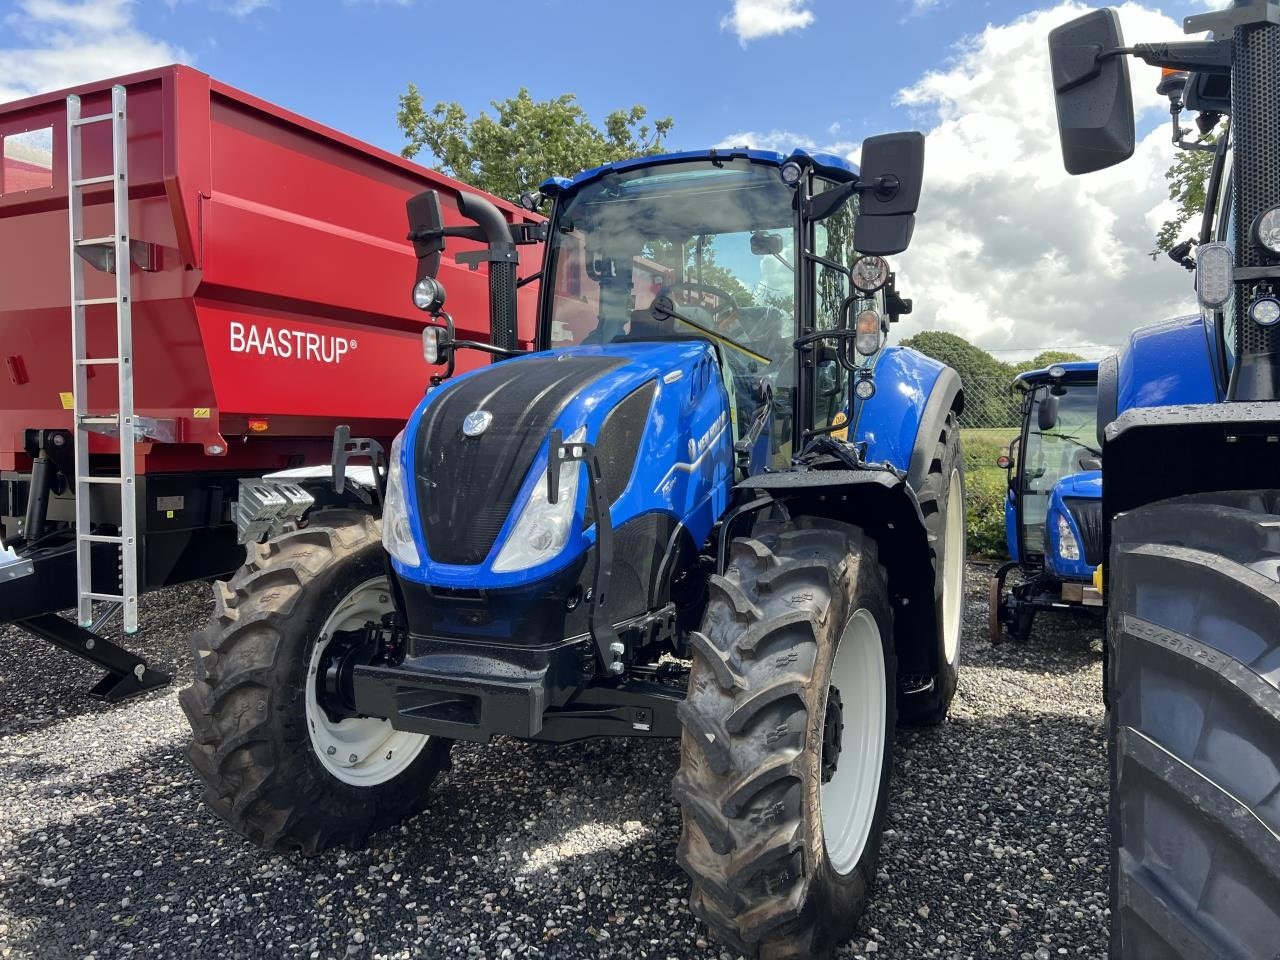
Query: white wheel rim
<point x="850" y="797"/>
<point x="361" y="751"/>
<point x="953" y="569"/>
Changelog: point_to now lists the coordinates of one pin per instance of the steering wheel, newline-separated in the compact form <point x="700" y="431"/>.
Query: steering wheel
<point x="724" y="313"/>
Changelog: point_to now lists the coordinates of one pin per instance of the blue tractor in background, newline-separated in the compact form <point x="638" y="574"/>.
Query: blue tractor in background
<point x="1191" y="502"/>
<point x="1053" y="510"/>
<point x="710" y="504"/>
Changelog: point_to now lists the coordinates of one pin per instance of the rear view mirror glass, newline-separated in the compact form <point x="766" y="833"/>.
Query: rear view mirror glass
<point x="899" y="156"/>
<point x="1093" y="96"/>
<point x="1048" y="412"/>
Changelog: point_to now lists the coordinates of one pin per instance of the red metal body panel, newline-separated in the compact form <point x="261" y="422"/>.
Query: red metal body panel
<point x="282" y="288"/>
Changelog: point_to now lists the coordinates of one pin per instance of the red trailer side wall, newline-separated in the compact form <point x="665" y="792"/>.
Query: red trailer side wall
<point x="282" y="292"/>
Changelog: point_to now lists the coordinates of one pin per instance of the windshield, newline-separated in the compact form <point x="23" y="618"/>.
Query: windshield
<point x="716" y="239"/>
<point x="1053" y="453"/>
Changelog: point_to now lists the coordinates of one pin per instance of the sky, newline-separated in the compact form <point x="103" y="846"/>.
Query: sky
<point x="1009" y="251"/>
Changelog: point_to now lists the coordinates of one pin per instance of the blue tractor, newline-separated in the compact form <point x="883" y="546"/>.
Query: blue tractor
<point x="1053" y="510"/>
<point x="710" y="504"/>
<point x="1191" y="509"/>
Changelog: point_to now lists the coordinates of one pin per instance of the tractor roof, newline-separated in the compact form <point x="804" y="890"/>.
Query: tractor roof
<point x="1075" y="371"/>
<point x="828" y="164"/>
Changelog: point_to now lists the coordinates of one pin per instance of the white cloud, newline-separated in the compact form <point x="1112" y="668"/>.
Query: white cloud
<point x="1010" y="251"/>
<point x="784" y="141"/>
<point x="50" y="44"/>
<point x="753" y="19"/>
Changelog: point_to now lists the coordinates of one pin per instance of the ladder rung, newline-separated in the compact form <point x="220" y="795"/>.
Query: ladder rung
<point x="94" y="361"/>
<point x="100" y="538"/>
<point x="111" y="419"/>
<point x="84" y="121"/>
<point x="113" y="597"/>
<point x="90" y="181"/>
<point x="94" y="301"/>
<point x="107" y="480"/>
<point x="96" y="241"/>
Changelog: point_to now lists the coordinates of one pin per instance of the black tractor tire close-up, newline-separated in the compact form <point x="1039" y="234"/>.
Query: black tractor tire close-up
<point x="930" y="705"/>
<point x="251" y="744"/>
<point x="751" y="761"/>
<point x="1194" y="638"/>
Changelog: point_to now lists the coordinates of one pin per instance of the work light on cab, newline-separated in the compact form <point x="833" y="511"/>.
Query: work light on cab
<point x="1267" y="231"/>
<point x="1265" y="311"/>
<point x="869" y="274"/>
<point x="428" y="295"/>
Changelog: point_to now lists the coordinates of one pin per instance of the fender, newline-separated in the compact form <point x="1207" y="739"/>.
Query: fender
<point x="884" y="506"/>
<point x="901" y="423"/>
<point x="947" y="395"/>
<point x="1164" y="364"/>
<point x="1108" y="394"/>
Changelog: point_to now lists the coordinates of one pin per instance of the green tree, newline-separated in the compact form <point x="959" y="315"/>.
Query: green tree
<point x="987" y="399"/>
<point x="1187" y="176"/>
<point x="525" y="141"/>
<point x="1046" y="358"/>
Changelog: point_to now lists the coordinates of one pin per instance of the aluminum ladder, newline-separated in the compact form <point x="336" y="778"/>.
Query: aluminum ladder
<point x="110" y="254"/>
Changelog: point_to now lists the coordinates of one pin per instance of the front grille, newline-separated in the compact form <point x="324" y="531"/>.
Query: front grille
<point x="1088" y="517"/>
<point x="467" y="485"/>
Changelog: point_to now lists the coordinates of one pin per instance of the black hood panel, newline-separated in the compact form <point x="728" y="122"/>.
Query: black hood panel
<point x="467" y="485"/>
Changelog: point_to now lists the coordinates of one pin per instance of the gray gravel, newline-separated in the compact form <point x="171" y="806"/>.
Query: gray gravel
<point x="997" y="845"/>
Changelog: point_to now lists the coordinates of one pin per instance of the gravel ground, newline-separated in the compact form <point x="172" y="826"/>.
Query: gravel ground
<point x="997" y="845"/>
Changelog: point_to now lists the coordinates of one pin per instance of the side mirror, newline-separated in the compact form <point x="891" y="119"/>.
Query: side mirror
<point x="1004" y="462"/>
<point x="1047" y="414"/>
<point x="766" y="244"/>
<point x="1092" y="92"/>
<point x="426" y="230"/>
<point x="894" y="163"/>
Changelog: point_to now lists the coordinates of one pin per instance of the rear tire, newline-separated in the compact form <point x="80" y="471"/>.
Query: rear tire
<point x="266" y="752"/>
<point x="1194" y="640"/>
<point x="942" y="503"/>
<point x="781" y="828"/>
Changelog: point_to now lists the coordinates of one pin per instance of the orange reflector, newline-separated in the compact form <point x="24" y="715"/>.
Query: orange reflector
<point x="259" y="426"/>
<point x="1170" y="71"/>
<point x="868" y="322"/>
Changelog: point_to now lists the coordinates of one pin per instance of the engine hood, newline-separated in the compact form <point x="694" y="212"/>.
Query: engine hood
<point x="479" y="440"/>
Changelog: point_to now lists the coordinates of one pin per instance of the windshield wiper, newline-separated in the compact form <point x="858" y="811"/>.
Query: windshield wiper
<point x="1067" y="437"/>
<point x="662" y="313"/>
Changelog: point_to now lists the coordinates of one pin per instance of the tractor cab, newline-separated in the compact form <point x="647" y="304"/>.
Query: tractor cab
<point x="712" y="247"/>
<point x="1054" y="500"/>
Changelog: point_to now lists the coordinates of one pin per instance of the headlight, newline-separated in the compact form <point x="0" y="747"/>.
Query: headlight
<point x="1068" y="546"/>
<point x="397" y="535"/>
<point x="543" y="527"/>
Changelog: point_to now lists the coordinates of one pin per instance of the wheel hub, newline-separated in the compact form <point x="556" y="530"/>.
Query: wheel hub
<point x="832" y="734"/>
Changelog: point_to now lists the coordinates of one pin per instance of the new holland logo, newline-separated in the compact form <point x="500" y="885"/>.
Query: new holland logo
<point x="476" y="422"/>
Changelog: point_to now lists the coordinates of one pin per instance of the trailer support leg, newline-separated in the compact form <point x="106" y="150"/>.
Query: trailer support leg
<point x="128" y="675"/>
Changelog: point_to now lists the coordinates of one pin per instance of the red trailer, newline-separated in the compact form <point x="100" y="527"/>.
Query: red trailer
<point x="266" y="303"/>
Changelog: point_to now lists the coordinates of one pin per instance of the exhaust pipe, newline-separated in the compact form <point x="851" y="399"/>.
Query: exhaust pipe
<point x="502" y="258"/>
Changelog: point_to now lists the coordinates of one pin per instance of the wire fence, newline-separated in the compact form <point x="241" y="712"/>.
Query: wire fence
<point x="991" y="419"/>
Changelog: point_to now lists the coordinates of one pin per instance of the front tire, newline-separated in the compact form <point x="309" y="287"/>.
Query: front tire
<point x="275" y="766"/>
<point x="1194" y="727"/>
<point x="787" y="745"/>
